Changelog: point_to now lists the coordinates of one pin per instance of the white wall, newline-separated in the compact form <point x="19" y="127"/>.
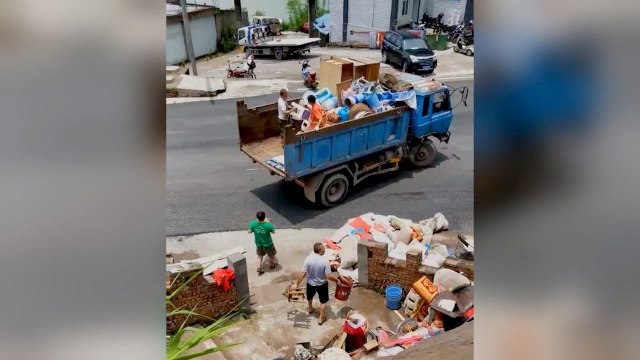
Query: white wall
<point x="203" y="34"/>
<point x="433" y="8"/>
<point x="409" y="16"/>
<point x="174" y="46"/>
<point x="335" y="20"/>
<point x="368" y="15"/>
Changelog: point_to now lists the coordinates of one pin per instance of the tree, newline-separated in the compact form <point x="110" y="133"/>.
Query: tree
<point x="259" y="13"/>
<point x="299" y="13"/>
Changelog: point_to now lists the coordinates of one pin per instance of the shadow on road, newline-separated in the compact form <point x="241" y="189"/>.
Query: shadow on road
<point x="288" y="200"/>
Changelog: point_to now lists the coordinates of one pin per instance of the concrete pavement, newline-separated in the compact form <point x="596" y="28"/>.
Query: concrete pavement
<point x="272" y="75"/>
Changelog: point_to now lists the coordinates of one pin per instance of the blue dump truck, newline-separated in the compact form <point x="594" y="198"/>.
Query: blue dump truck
<point x="328" y="162"/>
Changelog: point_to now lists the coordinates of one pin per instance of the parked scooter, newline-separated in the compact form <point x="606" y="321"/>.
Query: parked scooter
<point x="309" y="76"/>
<point x="246" y="71"/>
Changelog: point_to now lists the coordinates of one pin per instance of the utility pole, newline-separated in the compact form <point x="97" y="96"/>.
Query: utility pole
<point x="186" y="27"/>
<point x="312" y="16"/>
<point x="237" y="4"/>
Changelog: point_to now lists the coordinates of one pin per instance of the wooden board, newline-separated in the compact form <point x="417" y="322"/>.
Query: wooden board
<point x="340" y="88"/>
<point x="340" y="342"/>
<point x="370" y="346"/>
<point x="264" y="149"/>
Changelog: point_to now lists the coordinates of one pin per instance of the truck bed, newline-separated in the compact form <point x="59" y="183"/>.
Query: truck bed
<point x="265" y="149"/>
<point x="291" y="42"/>
<point x="307" y="153"/>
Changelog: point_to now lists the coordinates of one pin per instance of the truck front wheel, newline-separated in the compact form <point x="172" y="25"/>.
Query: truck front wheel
<point x="278" y="53"/>
<point x="423" y="154"/>
<point x="334" y="189"/>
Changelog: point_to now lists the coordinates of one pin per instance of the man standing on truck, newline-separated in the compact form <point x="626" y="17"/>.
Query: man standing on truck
<point x="262" y="230"/>
<point x="317" y="270"/>
<point x="283" y="112"/>
<point x="316" y="112"/>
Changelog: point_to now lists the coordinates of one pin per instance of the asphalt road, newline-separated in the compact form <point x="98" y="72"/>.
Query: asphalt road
<point x="212" y="186"/>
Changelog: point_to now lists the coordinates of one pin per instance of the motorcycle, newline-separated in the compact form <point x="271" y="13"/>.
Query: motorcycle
<point x="309" y="76"/>
<point x="246" y="71"/>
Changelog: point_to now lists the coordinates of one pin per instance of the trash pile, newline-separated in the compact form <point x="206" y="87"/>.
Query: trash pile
<point x="401" y="235"/>
<point x="362" y="98"/>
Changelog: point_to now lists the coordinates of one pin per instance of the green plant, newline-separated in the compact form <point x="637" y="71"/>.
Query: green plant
<point x="259" y="13"/>
<point x="299" y="13"/>
<point x="227" y="41"/>
<point x="176" y="348"/>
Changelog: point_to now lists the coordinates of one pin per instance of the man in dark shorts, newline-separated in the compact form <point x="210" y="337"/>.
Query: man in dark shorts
<point x="262" y="231"/>
<point x="317" y="270"/>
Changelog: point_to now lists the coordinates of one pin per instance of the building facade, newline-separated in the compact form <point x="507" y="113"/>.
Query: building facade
<point x="356" y="20"/>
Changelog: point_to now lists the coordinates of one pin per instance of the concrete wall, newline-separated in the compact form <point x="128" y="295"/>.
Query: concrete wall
<point x="433" y="8"/>
<point x="225" y="19"/>
<point x="211" y="299"/>
<point x="364" y="16"/>
<point x="410" y="15"/>
<point x="203" y="33"/>
<point x="335" y="20"/>
<point x="376" y="270"/>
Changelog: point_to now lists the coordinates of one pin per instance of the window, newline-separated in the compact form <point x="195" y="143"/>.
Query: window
<point x="405" y="7"/>
<point x="397" y="41"/>
<point x="440" y="102"/>
<point x="414" y="44"/>
<point x="241" y="34"/>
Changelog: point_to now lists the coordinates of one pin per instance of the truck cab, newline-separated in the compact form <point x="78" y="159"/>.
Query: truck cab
<point x="249" y="35"/>
<point x="433" y="113"/>
<point x="273" y="25"/>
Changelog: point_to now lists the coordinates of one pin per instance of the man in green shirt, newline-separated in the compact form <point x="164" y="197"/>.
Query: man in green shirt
<point x="262" y="231"/>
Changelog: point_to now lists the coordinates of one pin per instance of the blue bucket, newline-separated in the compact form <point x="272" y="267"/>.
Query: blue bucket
<point x="323" y="95"/>
<point x="373" y="102"/>
<point x="393" y="295"/>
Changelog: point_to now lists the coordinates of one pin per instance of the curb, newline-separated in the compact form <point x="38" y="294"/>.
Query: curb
<point x="184" y="100"/>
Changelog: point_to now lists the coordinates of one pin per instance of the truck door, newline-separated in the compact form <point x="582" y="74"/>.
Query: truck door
<point x="440" y="112"/>
<point x="242" y="36"/>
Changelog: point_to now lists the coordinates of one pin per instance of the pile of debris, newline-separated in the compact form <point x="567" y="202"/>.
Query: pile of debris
<point x="431" y="309"/>
<point x="360" y="99"/>
<point x="401" y="235"/>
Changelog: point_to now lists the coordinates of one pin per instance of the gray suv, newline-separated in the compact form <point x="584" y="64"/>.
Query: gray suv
<point x="408" y="51"/>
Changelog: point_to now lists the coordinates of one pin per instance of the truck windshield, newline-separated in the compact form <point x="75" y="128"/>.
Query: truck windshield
<point x="414" y="44"/>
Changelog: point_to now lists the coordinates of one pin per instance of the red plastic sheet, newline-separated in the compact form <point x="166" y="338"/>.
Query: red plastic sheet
<point x="223" y="277"/>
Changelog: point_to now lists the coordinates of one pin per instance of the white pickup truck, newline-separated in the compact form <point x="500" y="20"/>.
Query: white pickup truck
<point x="256" y="42"/>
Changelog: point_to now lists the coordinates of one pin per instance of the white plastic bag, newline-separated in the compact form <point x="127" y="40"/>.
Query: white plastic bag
<point x="434" y="260"/>
<point x="433" y="225"/>
<point x="399" y="251"/>
<point x="349" y="252"/>
<point x="383" y="238"/>
<point x="451" y="280"/>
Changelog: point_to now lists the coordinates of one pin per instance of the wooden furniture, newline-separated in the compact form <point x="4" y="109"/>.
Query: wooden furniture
<point x="334" y="71"/>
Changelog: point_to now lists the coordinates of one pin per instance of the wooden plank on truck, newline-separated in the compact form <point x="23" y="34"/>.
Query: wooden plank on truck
<point x="340" y="88"/>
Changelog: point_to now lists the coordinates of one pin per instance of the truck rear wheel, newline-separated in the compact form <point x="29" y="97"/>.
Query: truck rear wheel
<point x="278" y="53"/>
<point x="424" y="154"/>
<point x="334" y="189"/>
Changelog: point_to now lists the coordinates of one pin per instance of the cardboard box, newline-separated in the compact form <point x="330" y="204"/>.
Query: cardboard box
<point x="334" y="71"/>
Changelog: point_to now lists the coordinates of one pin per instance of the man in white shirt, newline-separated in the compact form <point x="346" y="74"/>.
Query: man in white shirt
<point x="283" y="112"/>
<point x="317" y="270"/>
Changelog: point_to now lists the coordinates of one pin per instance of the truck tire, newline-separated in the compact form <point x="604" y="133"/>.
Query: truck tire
<point x="278" y="53"/>
<point x="333" y="190"/>
<point x="424" y="154"/>
<point x="385" y="58"/>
